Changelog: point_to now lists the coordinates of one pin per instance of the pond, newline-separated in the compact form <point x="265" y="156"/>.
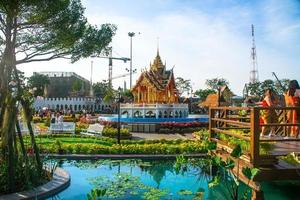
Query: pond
<point x="156" y="179"/>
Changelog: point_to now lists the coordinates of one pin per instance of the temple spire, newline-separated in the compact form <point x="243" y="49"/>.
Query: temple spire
<point x="157" y="46"/>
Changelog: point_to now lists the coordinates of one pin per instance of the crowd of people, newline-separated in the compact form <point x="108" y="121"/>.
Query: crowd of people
<point x="292" y="99"/>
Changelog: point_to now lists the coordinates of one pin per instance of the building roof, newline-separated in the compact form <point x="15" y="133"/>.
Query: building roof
<point x="52" y="74"/>
<point x="212" y="101"/>
<point x="157" y="75"/>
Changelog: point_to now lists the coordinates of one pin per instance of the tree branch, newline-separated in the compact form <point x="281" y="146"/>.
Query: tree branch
<point x="42" y="59"/>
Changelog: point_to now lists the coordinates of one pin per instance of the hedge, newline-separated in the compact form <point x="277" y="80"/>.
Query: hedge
<point x="188" y="148"/>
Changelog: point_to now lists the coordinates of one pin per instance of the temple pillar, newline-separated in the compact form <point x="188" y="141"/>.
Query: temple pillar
<point x="148" y="94"/>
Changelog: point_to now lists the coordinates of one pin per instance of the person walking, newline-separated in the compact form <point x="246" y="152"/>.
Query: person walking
<point x="269" y="115"/>
<point x="292" y="99"/>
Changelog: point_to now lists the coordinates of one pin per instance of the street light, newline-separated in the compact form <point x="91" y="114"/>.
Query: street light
<point x="131" y="34"/>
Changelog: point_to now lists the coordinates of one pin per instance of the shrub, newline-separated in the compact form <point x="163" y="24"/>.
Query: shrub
<point x="151" y="148"/>
<point x="113" y="132"/>
<point x="82" y="125"/>
<point x="201" y="134"/>
<point x="36" y="119"/>
<point x="47" y="121"/>
<point x="69" y="119"/>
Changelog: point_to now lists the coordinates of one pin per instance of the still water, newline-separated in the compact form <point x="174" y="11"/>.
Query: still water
<point x="156" y="179"/>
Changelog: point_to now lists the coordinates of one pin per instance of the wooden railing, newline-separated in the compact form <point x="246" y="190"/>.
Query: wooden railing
<point x="232" y="125"/>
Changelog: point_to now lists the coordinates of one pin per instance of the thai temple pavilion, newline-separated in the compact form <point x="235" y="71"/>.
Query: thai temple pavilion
<point x="156" y="85"/>
<point x="155" y="95"/>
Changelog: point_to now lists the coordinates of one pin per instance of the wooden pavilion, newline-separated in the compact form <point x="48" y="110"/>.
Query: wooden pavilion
<point x="243" y="123"/>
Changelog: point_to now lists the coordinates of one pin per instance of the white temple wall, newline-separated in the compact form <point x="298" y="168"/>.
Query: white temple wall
<point x="70" y="103"/>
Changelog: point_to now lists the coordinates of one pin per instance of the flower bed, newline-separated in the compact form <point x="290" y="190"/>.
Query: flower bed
<point x="178" y="127"/>
<point x="110" y="123"/>
<point x="113" y="132"/>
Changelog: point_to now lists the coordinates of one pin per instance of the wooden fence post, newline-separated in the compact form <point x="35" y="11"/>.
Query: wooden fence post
<point x="211" y="122"/>
<point x="255" y="134"/>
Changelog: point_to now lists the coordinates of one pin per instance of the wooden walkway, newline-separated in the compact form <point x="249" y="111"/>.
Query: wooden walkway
<point x="231" y="125"/>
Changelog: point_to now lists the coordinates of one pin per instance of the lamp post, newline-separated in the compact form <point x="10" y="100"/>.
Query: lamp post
<point x="130" y="34"/>
<point x="119" y="115"/>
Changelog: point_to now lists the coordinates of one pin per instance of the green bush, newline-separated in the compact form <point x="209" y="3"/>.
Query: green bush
<point x="201" y="134"/>
<point x="152" y="149"/>
<point x="36" y="119"/>
<point x="113" y="132"/>
<point x="47" y="122"/>
<point x="69" y="119"/>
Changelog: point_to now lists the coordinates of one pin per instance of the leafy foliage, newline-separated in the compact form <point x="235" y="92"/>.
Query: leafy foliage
<point x="96" y="194"/>
<point x="38" y="31"/>
<point x="183" y="85"/>
<point x="258" y="89"/>
<point x="215" y="83"/>
<point x="237" y="151"/>
<point x="78" y="144"/>
<point x="124" y="184"/>
<point x="291" y="158"/>
<point x="77" y="85"/>
<point x="113" y="132"/>
<point x="203" y="93"/>
<point x="38" y="81"/>
<point x="101" y="89"/>
<point x="250" y="173"/>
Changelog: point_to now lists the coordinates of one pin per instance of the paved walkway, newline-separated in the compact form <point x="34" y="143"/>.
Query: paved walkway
<point x="158" y="136"/>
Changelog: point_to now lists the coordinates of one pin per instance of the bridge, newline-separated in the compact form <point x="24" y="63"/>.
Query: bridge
<point x="229" y="126"/>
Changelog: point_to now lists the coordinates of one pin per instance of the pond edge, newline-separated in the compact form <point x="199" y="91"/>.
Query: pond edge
<point x="60" y="181"/>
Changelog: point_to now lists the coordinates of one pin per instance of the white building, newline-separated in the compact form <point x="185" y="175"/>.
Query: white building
<point x="157" y="110"/>
<point x="75" y="104"/>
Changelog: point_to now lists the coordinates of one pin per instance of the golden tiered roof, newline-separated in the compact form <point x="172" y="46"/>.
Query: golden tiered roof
<point x="157" y="64"/>
<point x="156" y="84"/>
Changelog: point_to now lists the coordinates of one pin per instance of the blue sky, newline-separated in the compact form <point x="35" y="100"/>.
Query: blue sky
<point x="202" y="39"/>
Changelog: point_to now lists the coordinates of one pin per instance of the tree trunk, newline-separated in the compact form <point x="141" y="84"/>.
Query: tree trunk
<point x="28" y="114"/>
<point x="23" y="149"/>
<point x="7" y="142"/>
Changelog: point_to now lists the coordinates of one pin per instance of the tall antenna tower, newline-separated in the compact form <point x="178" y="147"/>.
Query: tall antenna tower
<point x="254" y="71"/>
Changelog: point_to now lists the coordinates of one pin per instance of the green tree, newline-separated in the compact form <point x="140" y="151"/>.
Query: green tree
<point x="38" y="81"/>
<point x="215" y="83"/>
<point x="77" y="85"/>
<point x="282" y="86"/>
<point x="254" y="89"/>
<point x="127" y="95"/>
<point x="101" y="89"/>
<point x="31" y="31"/>
<point x="267" y="84"/>
<point x="183" y="85"/>
<point x="258" y="89"/>
<point x="203" y="93"/>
